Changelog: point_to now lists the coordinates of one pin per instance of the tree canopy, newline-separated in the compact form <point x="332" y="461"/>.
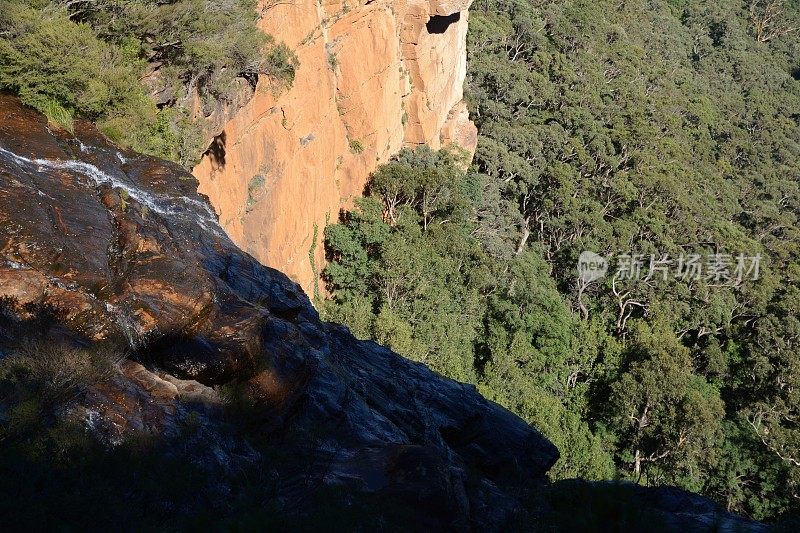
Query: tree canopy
<point x="653" y="129"/>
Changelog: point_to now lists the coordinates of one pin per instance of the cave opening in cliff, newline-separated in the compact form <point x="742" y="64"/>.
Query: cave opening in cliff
<point x="216" y="152"/>
<point x="438" y="24"/>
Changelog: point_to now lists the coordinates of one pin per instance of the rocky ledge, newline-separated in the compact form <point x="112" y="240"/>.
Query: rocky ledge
<point x="121" y="248"/>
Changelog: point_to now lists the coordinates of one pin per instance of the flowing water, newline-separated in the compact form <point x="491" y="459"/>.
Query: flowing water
<point x="181" y="206"/>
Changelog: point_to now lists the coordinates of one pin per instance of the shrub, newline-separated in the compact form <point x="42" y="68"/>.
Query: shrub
<point x="333" y="60"/>
<point x="356" y="146"/>
<point x="255" y="190"/>
<point x="57" y="115"/>
<point x="47" y="59"/>
<point x="281" y="63"/>
<point x="87" y="59"/>
<point x="52" y="374"/>
<point x="256" y="182"/>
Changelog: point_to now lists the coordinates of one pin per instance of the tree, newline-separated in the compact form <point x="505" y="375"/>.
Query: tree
<point x="770" y="20"/>
<point x="666" y="417"/>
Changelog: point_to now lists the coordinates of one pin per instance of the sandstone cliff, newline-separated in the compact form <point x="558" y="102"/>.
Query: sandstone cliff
<point x="374" y="76"/>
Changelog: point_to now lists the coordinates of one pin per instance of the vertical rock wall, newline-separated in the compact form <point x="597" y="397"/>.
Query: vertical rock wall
<point x="374" y="76"/>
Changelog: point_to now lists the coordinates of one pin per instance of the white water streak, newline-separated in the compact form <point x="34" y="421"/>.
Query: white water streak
<point x="99" y="178"/>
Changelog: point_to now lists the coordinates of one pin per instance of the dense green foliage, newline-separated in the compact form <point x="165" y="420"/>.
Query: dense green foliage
<point x="665" y="127"/>
<point x="82" y="58"/>
<point x="407" y="270"/>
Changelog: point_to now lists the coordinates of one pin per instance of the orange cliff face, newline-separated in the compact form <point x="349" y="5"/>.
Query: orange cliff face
<point x="373" y="77"/>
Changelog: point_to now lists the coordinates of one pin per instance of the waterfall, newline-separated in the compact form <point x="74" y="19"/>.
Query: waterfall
<point x="166" y="206"/>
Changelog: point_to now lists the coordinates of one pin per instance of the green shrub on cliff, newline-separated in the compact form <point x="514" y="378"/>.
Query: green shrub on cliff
<point x="46" y="59"/>
<point x="87" y="59"/>
<point x="203" y="41"/>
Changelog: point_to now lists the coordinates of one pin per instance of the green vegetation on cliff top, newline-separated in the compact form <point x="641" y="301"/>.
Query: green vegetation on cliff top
<point x="102" y="59"/>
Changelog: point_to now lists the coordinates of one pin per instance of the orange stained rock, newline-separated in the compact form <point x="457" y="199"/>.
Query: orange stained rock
<point x="373" y="77"/>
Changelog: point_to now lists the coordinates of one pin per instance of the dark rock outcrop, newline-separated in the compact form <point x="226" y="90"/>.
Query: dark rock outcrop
<point x="124" y="247"/>
<point x="576" y="505"/>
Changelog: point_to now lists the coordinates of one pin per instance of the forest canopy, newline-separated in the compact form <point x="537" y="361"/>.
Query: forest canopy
<point x="646" y="128"/>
